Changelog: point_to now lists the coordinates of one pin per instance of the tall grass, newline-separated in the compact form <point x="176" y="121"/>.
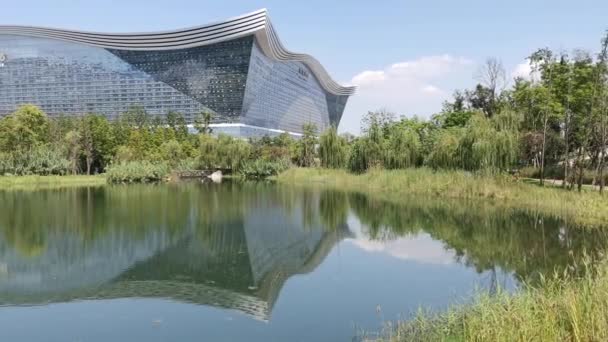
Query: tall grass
<point x="561" y="309"/>
<point x="137" y="172"/>
<point x="262" y="169"/>
<point x="49" y="182"/>
<point x="587" y="208"/>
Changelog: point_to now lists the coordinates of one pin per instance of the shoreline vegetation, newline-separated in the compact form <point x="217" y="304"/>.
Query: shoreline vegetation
<point x="35" y="182"/>
<point x="587" y="208"/>
<point x="570" y="309"/>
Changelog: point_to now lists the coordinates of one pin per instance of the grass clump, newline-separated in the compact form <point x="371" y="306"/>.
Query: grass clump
<point x="137" y="172"/>
<point x="562" y="309"/>
<point x="262" y="169"/>
<point x="586" y="208"/>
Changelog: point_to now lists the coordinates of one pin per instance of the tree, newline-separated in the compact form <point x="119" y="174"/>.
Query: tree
<point x="136" y="116"/>
<point x="492" y="78"/>
<point x="202" y="122"/>
<point x="177" y="123"/>
<point x="306" y="146"/>
<point x="72" y="141"/>
<point x="402" y="148"/>
<point x="380" y="119"/>
<point x="97" y="143"/>
<point x="171" y="152"/>
<point x="332" y="149"/>
<point x="24" y="129"/>
<point x="542" y="109"/>
<point x="86" y="143"/>
<point x="602" y="127"/>
<point x="452" y="118"/>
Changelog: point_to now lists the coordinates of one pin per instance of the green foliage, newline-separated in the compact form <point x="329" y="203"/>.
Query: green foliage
<point x="171" y="152"/>
<point x="23" y="129"/>
<point x="305" y="147"/>
<point x="177" y="124"/>
<point x="279" y="148"/>
<point x="402" y="148"/>
<point x="444" y="152"/>
<point x="586" y="208"/>
<point x="333" y="149"/>
<point x="262" y="169"/>
<point x="40" y="160"/>
<point x="203" y="121"/>
<point x="570" y="309"/>
<point x="453" y="119"/>
<point x="136" y="172"/>
<point x="484" y="147"/>
<point x="359" y="158"/>
<point x="222" y="152"/>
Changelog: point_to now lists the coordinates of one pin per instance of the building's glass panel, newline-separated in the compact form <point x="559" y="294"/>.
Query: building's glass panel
<point x="214" y="75"/>
<point x="233" y="79"/>
<point x="283" y="95"/>
<point x="73" y="79"/>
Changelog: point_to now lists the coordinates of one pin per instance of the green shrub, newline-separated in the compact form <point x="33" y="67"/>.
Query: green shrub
<point x="222" y="152"/>
<point x="41" y="160"/>
<point x="262" y="169"/>
<point x="136" y="172"/>
<point x="171" y="152"/>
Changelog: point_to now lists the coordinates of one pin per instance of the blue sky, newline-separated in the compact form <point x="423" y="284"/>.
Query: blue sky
<point x="407" y="56"/>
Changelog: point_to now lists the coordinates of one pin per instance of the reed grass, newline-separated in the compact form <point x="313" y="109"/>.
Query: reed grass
<point x="561" y="309"/>
<point x="588" y="208"/>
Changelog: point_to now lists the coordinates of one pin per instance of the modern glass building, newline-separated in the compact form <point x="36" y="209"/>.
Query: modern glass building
<point x="237" y="69"/>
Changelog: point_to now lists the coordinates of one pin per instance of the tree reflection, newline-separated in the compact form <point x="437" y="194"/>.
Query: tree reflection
<point x="486" y="236"/>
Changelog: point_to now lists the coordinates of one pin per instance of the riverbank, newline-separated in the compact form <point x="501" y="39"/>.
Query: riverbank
<point x="49" y="182"/>
<point x="560" y="310"/>
<point x="587" y="208"/>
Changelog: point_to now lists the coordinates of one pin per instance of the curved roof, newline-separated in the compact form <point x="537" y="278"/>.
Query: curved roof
<point x="255" y="23"/>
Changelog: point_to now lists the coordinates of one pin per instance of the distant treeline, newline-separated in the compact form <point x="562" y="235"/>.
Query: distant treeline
<point x="137" y="146"/>
<point x="553" y="122"/>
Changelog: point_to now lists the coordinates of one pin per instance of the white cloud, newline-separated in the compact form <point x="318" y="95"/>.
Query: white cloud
<point x="368" y="77"/>
<point x="524" y="70"/>
<point x="413" y="87"/>
<point x="431" y="89"/>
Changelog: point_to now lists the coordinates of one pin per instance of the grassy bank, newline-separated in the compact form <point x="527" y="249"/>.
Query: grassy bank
<point x="561" y="310"/>
<point x="586" y="208"/>
<point x="49" y="182"/>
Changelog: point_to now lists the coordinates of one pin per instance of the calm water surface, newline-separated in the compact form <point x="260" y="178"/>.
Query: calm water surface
<point x="254" y="262"/>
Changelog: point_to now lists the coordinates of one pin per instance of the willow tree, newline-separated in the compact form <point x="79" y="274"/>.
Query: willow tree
<point x="333" y="149"/>
<point x="602" y="127"/>
<point x="402" y="148"/>
<point x="305" y="155"/>
<point x="443" y="149"/>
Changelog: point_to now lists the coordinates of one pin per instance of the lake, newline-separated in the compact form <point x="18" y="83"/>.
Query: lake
<point x="256" y="262"/>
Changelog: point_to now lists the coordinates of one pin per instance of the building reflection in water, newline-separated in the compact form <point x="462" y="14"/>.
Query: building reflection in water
<point x="223" y="246"/>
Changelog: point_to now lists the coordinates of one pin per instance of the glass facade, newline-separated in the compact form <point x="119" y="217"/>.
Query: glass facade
<point x="233" y="79"/>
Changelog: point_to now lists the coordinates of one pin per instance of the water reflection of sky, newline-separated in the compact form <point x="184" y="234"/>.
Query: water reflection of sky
<point x="421" y="247"/>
